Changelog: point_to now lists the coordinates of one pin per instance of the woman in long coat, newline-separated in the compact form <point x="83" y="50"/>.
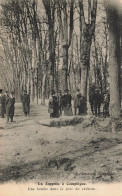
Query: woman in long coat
<point x="66" y="100"/>
<point x="10" y="101"/>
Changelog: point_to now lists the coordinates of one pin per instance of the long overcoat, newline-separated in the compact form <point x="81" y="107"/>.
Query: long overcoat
<point x="10" y="106"/>
<point x="26" y="102"/>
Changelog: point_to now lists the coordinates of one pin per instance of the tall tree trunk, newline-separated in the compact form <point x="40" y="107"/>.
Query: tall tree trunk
<point x="114" y="60"/>
<point x="87" y="32"/>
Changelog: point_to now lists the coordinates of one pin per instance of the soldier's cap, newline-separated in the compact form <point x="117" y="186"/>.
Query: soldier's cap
<point x="66" y="91"/>
<point x="12" y="93"/>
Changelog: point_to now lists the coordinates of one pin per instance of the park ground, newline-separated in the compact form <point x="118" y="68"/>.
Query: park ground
<point x="32" y="152"/>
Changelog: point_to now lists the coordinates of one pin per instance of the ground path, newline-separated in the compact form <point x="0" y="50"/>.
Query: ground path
<point x="32" y="152"/>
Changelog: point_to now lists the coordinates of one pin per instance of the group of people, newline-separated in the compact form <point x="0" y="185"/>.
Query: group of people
<point x="96" y="99"/>
<point x="58" y="103"/>
<point x="63" y="103"/>
<point x="7" y="102"/>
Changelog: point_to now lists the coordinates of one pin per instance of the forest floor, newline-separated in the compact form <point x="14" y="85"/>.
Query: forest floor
<point x="31" y="152"/>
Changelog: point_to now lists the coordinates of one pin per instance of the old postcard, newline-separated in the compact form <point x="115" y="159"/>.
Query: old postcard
<point x="60" y="97"/>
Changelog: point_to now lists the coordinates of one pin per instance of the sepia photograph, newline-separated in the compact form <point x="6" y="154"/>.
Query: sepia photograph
<point x="61" y="97"/>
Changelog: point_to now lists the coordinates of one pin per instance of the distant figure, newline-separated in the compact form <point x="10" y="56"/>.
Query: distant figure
<point x="2" y="103"/>
<point x="53" y="106"/>
<point x="10" y="101"/>
<point x="83" y="107"/>
<point x="106" y="100"/>
<point x="77" y="102"/>
<point x="97" y="100"/>
<point x="25" y="99"/>
<point x="60" y="102"/>
<point x="6" y="95"/>
<point x="67" y="106"/>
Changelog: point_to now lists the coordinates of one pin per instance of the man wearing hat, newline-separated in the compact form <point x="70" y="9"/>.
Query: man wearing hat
<point x="53" y="106"/>
<point x="67" y="106"/>
<point x="97" y="100"/>
<point x="26" y="103"/>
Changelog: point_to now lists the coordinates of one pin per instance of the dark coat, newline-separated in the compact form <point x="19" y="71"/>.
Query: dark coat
<point x="2" y="102"/>
<point x="97" y="98"/>
<point x="25" y="99"/>
<point x="53" y="107"/>
<point x="67" y="106"/>
<point x="66" y="100"/>
<point x="10" y="106"/>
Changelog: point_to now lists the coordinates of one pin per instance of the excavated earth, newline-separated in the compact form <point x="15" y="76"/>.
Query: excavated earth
<point x="73" y="148"/>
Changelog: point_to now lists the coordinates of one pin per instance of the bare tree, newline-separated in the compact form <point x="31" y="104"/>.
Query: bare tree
<point x="87" y="31"/>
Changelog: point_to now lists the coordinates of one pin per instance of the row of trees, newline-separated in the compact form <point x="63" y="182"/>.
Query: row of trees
<point x="57" y="44"/>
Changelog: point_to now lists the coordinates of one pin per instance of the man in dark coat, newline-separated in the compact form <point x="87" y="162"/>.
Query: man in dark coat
<point x="83" y="108"/>
<point x="77" y="102"/>
<point x="26" y="103"/>
<point x="53" y="106"/>
<point x="67" y="106"/>
<point x="6" y="95"/>
<point x="97" y="100"/>
<point x="2" y="103"/>
<point x="10" y="101"/>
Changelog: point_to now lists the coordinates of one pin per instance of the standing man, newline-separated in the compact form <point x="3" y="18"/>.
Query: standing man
<point x="97" y="99"/>
<point x="77" y="101"/>
<point x="2" y="103"/>
<point x="26" y="103"/>
<point x="53" y="106"/>
<point x="67" y="106"/>
<point x="10" y="101"/>
<point x="6" y="96"/>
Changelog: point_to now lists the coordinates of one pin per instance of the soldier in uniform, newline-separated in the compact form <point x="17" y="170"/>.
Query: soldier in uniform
<point x="67" y="106"/>
<point x="2" y="102"/>
<point x="77" y="102"/>
<point x="97" y="99"/>
<point x="26" y="103"/>
<point x="10" y="101"/>
<point x="106" y="100"/>
<point x="53" y="106"/>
